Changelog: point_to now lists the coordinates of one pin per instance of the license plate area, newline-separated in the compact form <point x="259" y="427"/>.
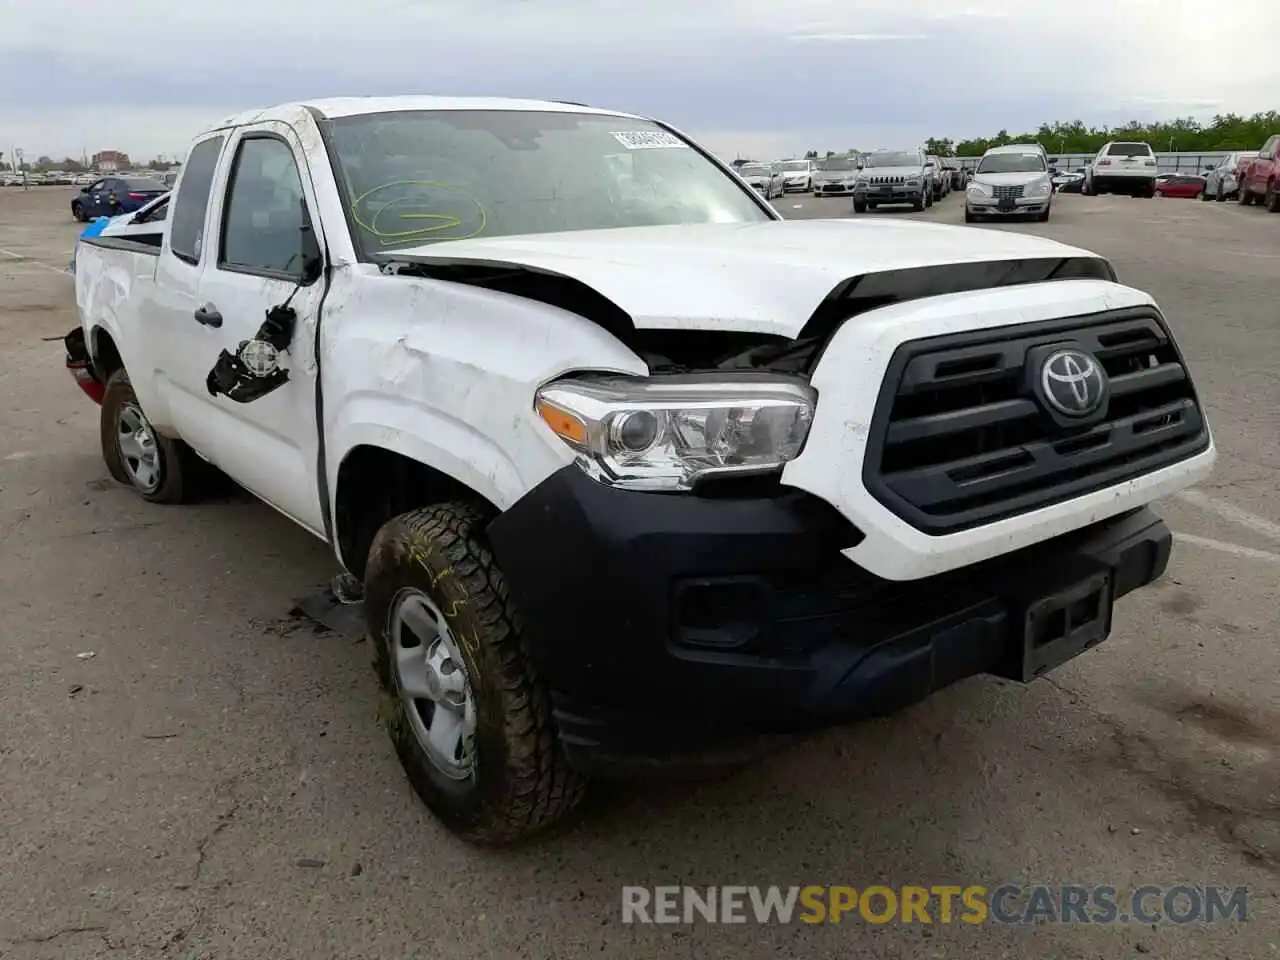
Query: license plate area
<point x="1006" y="205"/>
<point x="1062" y="625"/>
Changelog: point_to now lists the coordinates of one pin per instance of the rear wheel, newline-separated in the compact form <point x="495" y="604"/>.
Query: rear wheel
<point x="77" y="211"/>
<point x="159" y="469"/>
<point x="1243" y="196"/>
<point x="469" y="717"/>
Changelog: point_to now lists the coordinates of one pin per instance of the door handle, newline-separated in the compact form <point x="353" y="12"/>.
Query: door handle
<point x="208" y="315"/>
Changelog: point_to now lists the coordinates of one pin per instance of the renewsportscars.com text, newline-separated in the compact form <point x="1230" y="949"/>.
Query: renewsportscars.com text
<point x="1007" y="903"/>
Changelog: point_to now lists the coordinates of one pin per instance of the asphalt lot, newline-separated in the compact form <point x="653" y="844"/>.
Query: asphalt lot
<point x="213" y="782"/>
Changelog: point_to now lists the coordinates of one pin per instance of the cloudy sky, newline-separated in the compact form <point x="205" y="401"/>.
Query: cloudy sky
<point x="757" y="77"/>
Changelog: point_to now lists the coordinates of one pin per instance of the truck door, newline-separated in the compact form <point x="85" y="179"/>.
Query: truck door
<point x="243" y="398"/>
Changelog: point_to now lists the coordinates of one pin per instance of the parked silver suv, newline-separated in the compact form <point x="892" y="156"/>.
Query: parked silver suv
<point x="893" y="176"/>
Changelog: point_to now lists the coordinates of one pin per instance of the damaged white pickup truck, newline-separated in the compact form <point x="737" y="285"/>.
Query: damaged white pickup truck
<point x="631" y="469"/>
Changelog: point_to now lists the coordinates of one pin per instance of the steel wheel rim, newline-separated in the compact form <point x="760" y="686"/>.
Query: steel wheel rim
<point x="139" y="452"/>
<point x="432" y="682"/>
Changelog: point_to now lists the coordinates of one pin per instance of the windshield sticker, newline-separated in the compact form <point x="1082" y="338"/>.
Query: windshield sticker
<point x="648" y="139"/>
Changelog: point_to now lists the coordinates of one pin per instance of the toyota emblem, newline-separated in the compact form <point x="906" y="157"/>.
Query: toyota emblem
<point x="1072" y="382"/>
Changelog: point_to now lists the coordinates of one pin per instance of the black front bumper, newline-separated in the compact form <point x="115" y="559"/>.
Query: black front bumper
<point x="669" y="626"/>
<point x="890" y="195"/>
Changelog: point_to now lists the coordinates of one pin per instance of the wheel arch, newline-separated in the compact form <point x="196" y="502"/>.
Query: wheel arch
<point x="104" y="353"/>
<point x="377" y="482"/>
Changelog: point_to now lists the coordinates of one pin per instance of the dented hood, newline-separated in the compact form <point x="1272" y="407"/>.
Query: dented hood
<point x="765" y="277"/>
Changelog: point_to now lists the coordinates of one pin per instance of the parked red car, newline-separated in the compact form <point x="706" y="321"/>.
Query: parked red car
<point x="1260" y="178"/>
<point x="1179" y="185"/>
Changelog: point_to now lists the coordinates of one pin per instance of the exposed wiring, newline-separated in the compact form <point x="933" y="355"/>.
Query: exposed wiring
<point x="435" y="223"/>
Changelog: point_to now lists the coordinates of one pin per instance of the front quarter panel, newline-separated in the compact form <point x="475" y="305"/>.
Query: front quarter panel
<point x="446" y="373"/>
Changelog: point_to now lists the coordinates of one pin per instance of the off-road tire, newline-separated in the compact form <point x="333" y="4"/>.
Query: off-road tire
<point x="184" y="476"/>
<point x="1272" y="201"/>
<point x="521" y="782"/>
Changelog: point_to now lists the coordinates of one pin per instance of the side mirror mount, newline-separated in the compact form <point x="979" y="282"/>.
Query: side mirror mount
<point x="312" y="258"/>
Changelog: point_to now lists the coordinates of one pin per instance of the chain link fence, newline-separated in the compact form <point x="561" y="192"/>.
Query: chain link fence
<point x="1184" y="163"/>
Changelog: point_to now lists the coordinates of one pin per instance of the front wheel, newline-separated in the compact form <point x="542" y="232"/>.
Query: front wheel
<point x="468" y="715"/>
<point x="159" y="469"/>
<point x="77" y="211"/>
<point x="1044" y="217"/>
<point x="969" y="217"/>
<point x="859" y="206"/>
<point x="1272" y="200"/>
<point x="918" y="203"/>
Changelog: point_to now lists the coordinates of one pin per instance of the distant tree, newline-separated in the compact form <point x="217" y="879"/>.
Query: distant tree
<point x="72" y="165"/>
<point x="1227" y="131"/>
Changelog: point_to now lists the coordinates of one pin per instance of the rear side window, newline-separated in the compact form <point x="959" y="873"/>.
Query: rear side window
<point x="186" y="228"/>
<point x="1129" y="150"/>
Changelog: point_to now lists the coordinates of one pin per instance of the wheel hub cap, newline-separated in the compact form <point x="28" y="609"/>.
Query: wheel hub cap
<point x="139" y="453"/>
<point x="431" y="679"/>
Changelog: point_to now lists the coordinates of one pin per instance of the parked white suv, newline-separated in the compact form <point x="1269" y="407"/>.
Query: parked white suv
<point x="1010" y="181"/>
<point x="627" y="468"/>
<point x="1123" y="166"/>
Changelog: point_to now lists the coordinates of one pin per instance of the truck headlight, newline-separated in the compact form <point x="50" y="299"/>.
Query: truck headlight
<point x="665" y="433"/>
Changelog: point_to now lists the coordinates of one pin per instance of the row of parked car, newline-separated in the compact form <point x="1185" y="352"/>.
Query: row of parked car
<point x="1248" y="177"/>
<point x="916" y="177"/>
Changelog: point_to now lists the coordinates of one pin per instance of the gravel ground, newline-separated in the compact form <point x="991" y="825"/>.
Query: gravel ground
<point x="213" y="782"/>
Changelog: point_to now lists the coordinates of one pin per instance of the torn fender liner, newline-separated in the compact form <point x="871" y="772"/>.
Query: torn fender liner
<point x="254" y="369"/>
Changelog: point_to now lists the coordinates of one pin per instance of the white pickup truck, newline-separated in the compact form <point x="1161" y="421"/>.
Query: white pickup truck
<point x="629" y="469"/>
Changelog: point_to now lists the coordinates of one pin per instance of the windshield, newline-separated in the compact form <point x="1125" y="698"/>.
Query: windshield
<point x="754" y="170"/>
<point x="837" y="163"/>
<point x="794" y="166"/>
<point x="424" y="176"/>
<point x="1128" y="150"/>
<point x="888" y="159"/>
<point x="1011" y="163"/>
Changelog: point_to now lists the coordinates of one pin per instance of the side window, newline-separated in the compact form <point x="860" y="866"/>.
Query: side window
<point x="192" y="201"/>
<point x="95" y="187"/>
<point x="265" y="210"/>
<point x="155" y="214"/>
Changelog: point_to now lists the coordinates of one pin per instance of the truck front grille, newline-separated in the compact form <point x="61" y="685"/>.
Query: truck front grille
<point x="1007" y="193"/>
<point x="963" y="435"/>
<point x="887" y="179"/>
